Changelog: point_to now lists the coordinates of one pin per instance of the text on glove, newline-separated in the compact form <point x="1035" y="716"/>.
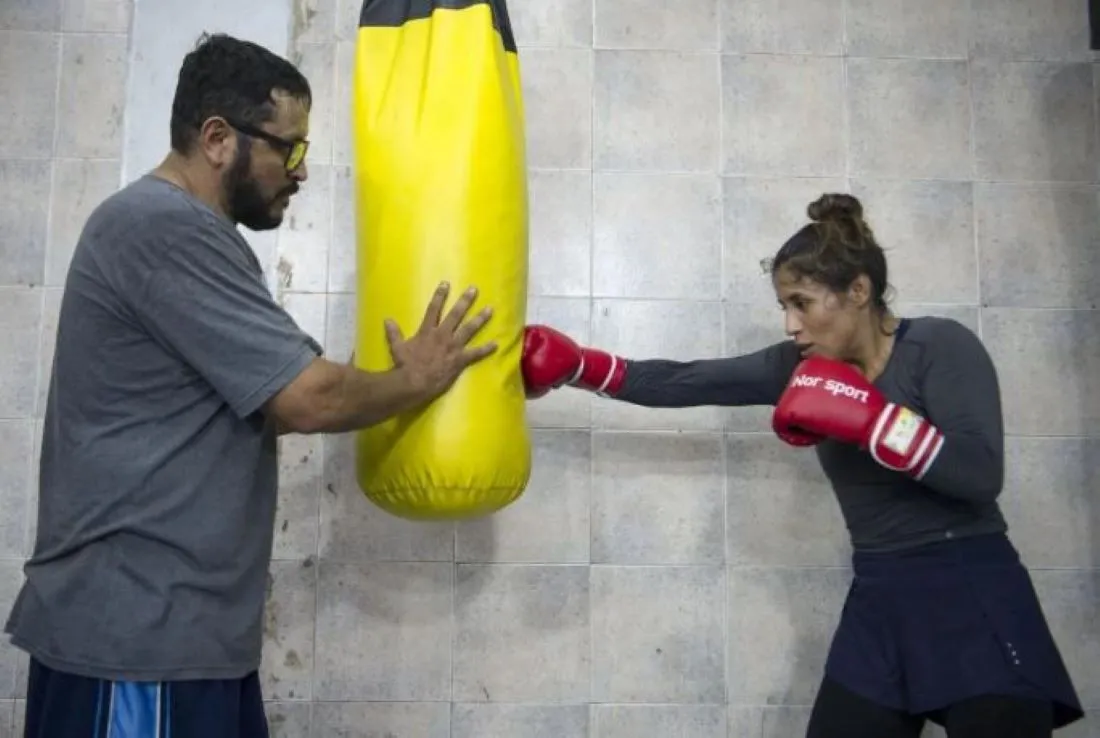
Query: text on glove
<point x="831" y="386"/>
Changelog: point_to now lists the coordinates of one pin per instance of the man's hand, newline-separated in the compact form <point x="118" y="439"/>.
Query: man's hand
<point x="439" y="352"/>
<point x="328" y="397"/>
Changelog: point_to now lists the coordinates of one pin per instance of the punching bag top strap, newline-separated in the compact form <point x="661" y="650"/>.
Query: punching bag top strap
<point x="396" y="13"/>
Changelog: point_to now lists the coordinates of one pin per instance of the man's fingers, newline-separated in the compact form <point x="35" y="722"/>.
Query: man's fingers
<point x="458" y="312"/>
<point x="470" y="328"/>
<point x="434" y="310"/>
<point x="478" y="353"/>
<point x="393" y="333"/>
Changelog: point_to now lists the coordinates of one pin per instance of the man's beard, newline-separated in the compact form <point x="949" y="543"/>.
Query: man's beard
<point x="245" y="203"/>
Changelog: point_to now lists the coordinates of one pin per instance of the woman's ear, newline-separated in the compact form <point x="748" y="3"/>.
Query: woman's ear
<point x="859" y="291"/>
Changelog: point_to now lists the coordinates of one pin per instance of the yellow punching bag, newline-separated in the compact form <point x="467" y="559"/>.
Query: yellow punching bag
<point x="440" y="186"/>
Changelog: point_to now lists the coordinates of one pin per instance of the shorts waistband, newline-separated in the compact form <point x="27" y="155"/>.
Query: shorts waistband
<point x="993" y="549"/>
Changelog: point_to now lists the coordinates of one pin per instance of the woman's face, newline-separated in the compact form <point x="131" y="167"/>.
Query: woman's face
<point x="819" y="320"/>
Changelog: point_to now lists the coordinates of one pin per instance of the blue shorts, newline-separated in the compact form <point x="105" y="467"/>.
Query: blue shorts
<point x="931" y="626"/>
<point x="62" y="705"/>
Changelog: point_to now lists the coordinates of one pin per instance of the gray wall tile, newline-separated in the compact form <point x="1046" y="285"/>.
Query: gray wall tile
<point x="657" y="236"/>
<point x="909" y="118"/>
<point x="557" y="98"/>
<point x="23" y="221"/>
<point x="690" y="25"/>
<point x="560" y="253"/>
<point x="1017" y="29"/>
<point x="658" y="634"/>
<point x="20" y="323"/>
<point x="96" y="16"/>
<point x="382" y="719"/>
<point x="1038" y="244"/>
<point x="30" y="15"/>
<point x="1049" y="500"/>
<point x="930" y="29"/>
<point x="29" y="65"/>
<point x="384" y="632"/>
<point x="658" y="721"/>
<point x="91" y="125"/>
<point x="1049" y="374"/>
<point x="789" y="27"/>
<point x="287" y="668"/>
<point x="783" y="116"/>
<point x="521" y="634"/>
<point x="1034" y="121"/>
<point x="658" y="499"/>
<point x="552" y="23"/>
<point x="520" y="721"/>
<point x="655" y="110"/>
<point x="288" y="719"/>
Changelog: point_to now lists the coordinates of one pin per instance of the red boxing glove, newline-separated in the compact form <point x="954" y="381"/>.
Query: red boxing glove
<point x="552" y="359"/>
<point x="831" y="399"/>
<point x="797" y="436"/>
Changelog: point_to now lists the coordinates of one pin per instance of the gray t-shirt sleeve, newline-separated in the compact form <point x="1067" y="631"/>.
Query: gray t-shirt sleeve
<point x="756" y="378"/>
<point x="961" y="396"/>
<point x="204" y="298"/>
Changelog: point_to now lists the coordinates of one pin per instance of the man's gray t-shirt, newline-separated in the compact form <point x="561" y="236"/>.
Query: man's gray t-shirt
<point x="158" y="475"/>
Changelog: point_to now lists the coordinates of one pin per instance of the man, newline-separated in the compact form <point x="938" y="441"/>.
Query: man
<point x="174" y="372"/>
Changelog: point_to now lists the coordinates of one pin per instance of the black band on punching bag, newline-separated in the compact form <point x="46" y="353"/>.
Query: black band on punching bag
<point x="395" y="13"/>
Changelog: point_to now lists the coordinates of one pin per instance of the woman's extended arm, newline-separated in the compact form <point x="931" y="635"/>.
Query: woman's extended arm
<point x="552" y="360"/>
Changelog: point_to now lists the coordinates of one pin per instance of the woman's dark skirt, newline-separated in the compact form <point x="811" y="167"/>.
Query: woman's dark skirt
<point x="927" y="627"/>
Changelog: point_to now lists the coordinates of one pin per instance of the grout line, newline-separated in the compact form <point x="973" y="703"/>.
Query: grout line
<point x="846" y="97"/>
<point x="589" y="409"/>
<point x="723" y="294"/>
<point x="131" y="71"/>
<point x="972" y="130"/>
<point x="30" y="510"/>
<point x="453" y="625"/>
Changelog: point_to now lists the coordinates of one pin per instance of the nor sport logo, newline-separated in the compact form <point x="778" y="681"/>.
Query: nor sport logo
<point x="832" y="386"/>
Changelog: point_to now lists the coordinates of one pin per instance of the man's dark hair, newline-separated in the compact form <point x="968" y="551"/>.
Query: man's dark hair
<point x="228" y="77"/>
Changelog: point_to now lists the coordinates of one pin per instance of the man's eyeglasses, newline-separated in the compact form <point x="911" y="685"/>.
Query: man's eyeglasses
<point x="295" y="150"/>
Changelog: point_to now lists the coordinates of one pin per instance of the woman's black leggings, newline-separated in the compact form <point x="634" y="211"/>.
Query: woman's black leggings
<point x="838" y="713"/>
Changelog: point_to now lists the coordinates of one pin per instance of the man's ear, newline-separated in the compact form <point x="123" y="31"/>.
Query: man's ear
<point x="217" y="142"/>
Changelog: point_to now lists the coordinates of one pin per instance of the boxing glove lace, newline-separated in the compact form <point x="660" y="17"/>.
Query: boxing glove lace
<point x="551" y="359"/>
<point x="831" y="399"/>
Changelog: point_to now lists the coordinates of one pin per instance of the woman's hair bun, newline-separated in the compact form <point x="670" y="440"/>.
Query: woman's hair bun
<point x="835" y="206"/>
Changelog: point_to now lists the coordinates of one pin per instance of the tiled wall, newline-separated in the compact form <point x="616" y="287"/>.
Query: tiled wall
<point x="668" y="573"/>
<point x="62" y="84"/>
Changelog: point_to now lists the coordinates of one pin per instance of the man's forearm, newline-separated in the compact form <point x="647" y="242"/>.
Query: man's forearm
<point x="362" y="399"/>
<point x="337" y="398"/>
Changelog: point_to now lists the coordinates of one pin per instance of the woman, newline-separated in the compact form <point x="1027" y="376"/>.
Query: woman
<point x="941" y="622"/>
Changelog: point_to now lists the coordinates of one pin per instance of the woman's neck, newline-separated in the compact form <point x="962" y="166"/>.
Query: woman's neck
<point x="877" y="342"/>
